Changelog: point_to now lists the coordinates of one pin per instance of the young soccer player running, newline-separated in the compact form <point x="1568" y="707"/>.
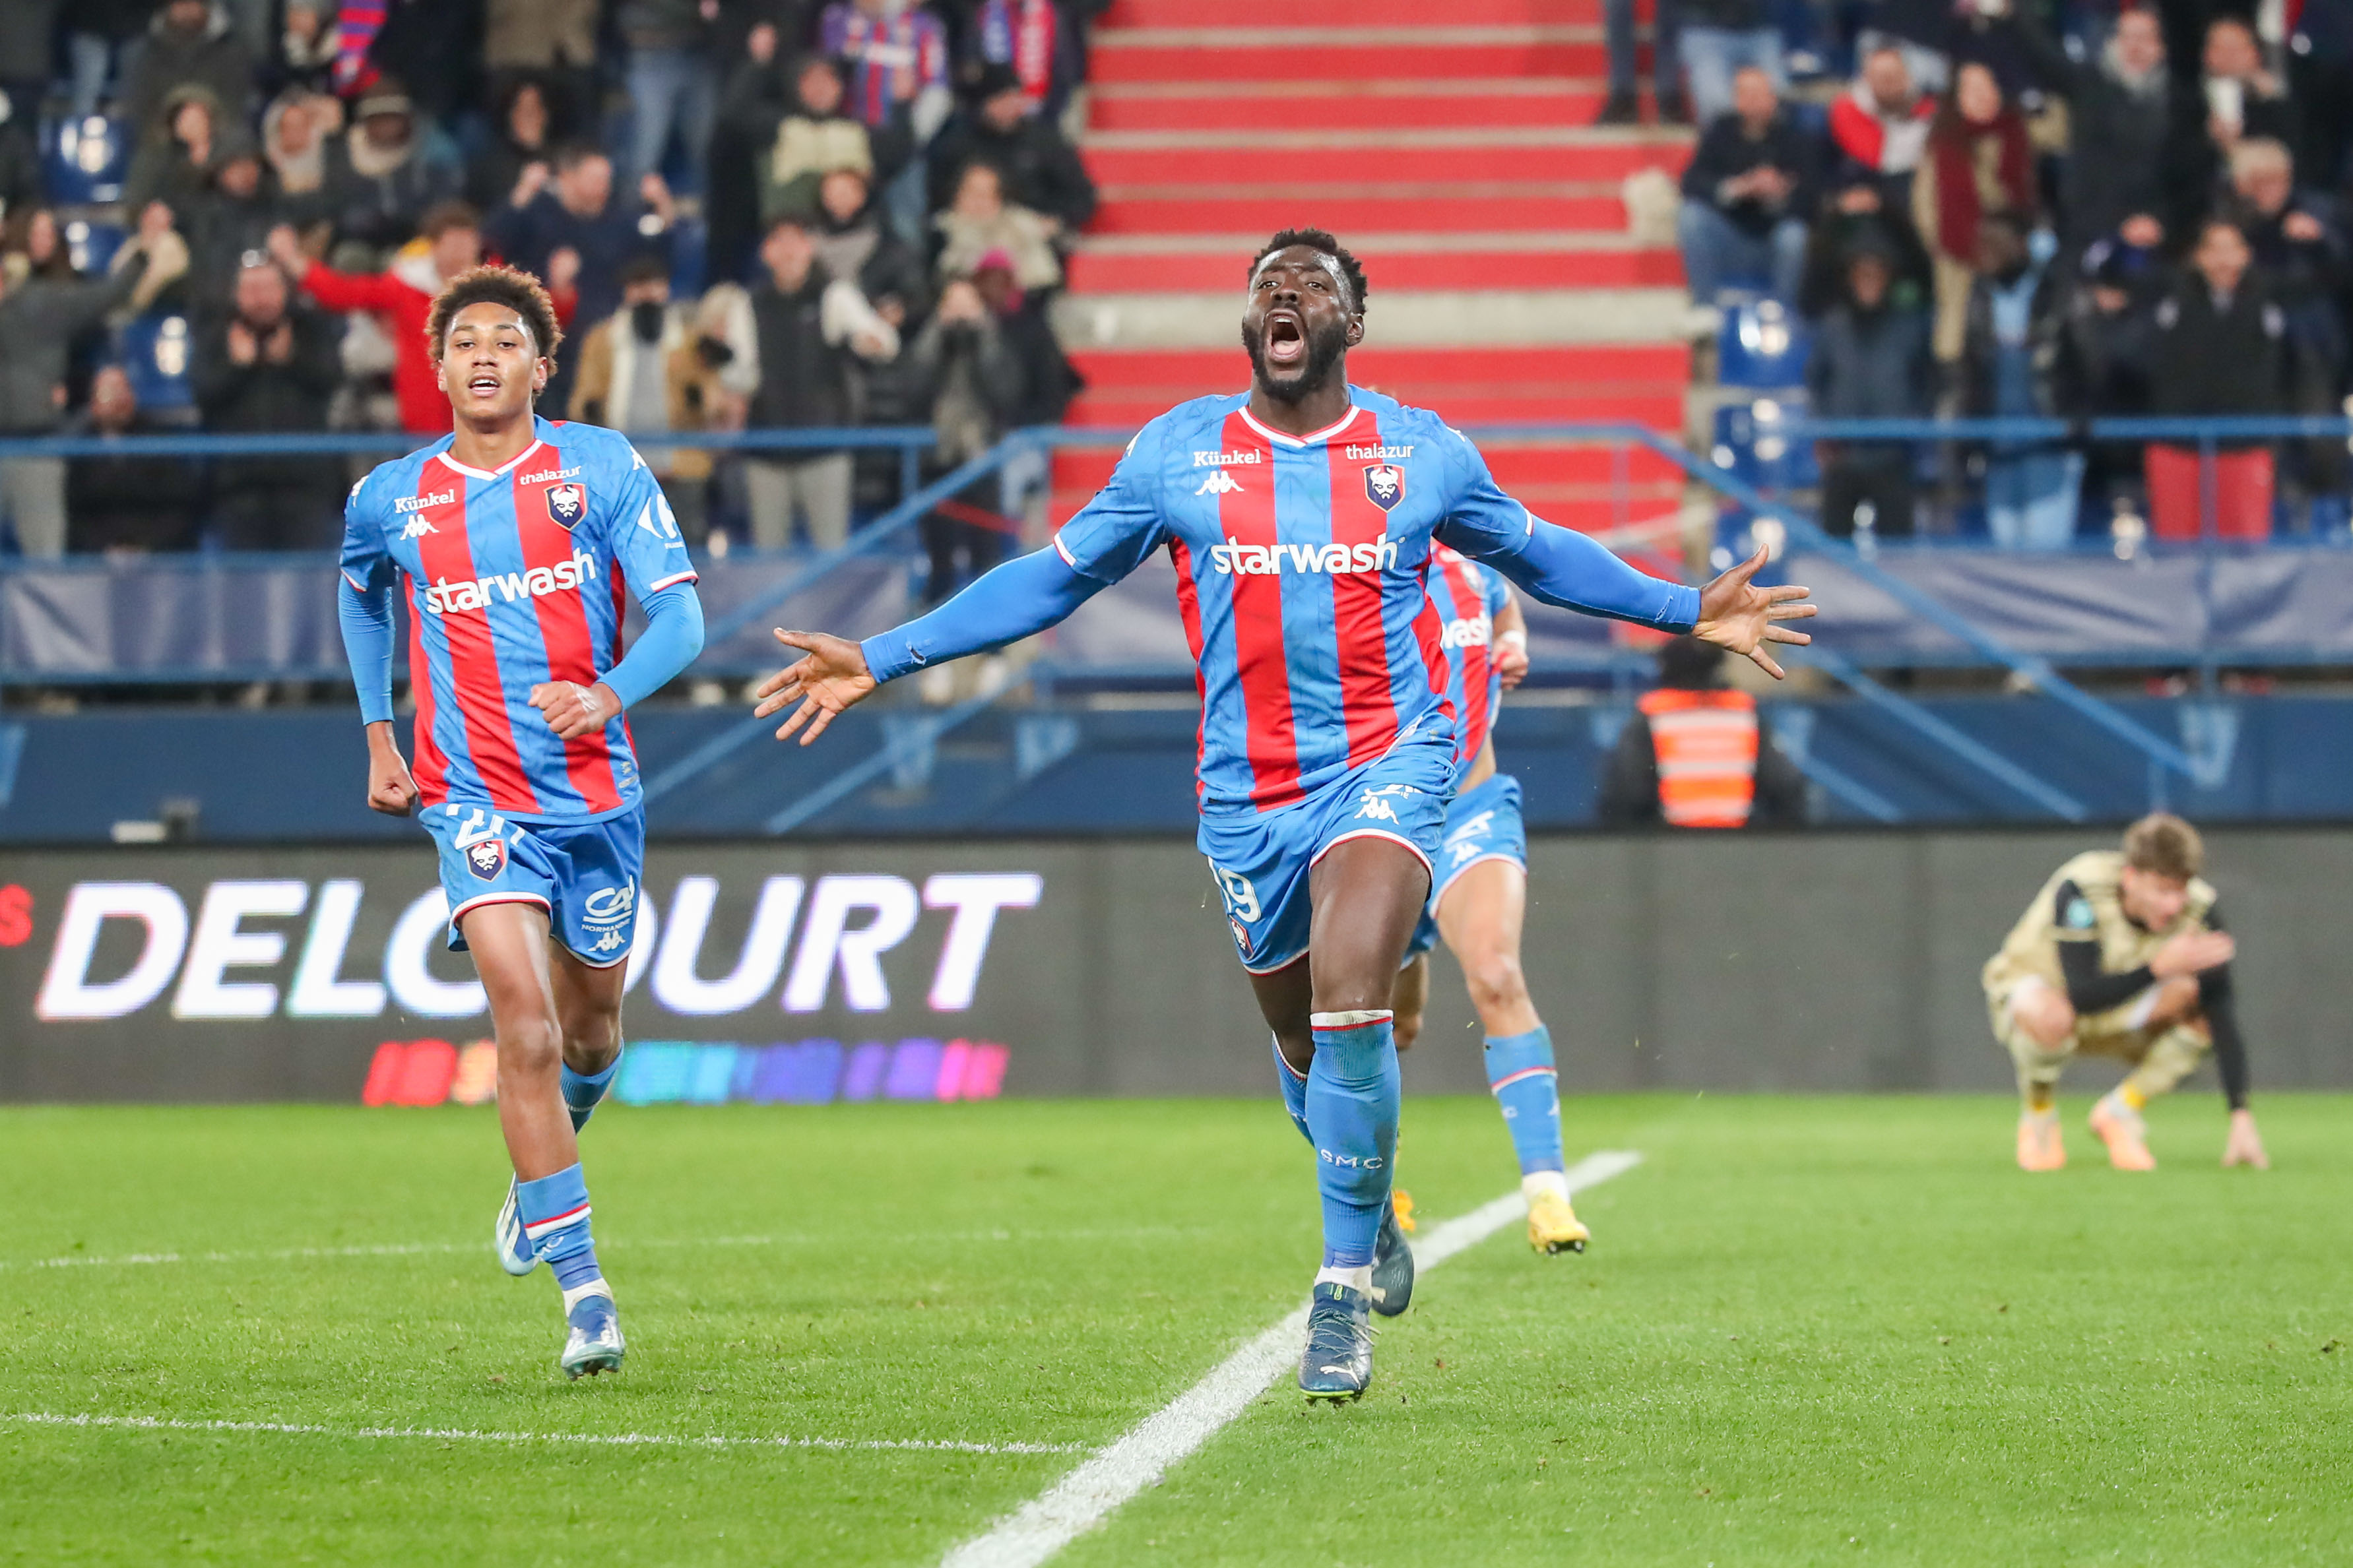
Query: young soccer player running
<point x="1480" y="895"/>
<point x="1299" y="516"/>
<point x="513" y="538"/>
<point x="2121" y="954"/>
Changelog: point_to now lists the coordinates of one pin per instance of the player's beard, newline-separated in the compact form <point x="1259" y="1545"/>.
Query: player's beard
<point x="1326" y="346"/>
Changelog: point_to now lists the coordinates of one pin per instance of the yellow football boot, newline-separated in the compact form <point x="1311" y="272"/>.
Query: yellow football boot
<point x="1553" y="1224"/>
<point x="1401" y="1202"/>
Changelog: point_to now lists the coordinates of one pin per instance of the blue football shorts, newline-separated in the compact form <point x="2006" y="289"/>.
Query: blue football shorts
<point x="584" y="873"/>
<point x="1483" y="823"/>
<point x="1262" y="859"/>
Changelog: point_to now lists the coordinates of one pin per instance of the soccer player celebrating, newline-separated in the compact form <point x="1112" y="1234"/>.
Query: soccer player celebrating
<point x="514" y="538"/>
<point x="2121" y="954"/>
<point x="1299" y="516"/>
<point x="1480" y="894"/>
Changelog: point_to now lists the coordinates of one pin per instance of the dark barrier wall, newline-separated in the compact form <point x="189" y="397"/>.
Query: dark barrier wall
<point x="1827" y="962"/>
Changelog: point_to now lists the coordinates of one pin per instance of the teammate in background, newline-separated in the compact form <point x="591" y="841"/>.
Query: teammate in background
<point x="1696" y="753"/>
<point x="2121" y="954"/>
<point x="1299" y="517"/>
<point x="515" y="538"/>
<point x="1480" y="895"/>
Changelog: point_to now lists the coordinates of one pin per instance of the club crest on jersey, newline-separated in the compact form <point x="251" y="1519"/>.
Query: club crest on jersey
<point x="486" y="858"/>
<point x="566" y="505"/>
<point x="1384" y="485"/>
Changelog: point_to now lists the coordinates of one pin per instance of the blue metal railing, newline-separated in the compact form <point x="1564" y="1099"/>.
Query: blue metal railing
<point x="1624" y="438"/>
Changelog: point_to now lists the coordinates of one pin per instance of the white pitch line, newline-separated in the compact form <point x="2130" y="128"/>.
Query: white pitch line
<point x="435" y="1248"/>
<point x="601" y="1439"/>
<point x="1089" y="1495"/>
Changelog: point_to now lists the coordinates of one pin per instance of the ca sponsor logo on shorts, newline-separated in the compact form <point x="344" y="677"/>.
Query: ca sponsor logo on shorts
<point x="1235" y="559"/>
<point x="510" y="587"/>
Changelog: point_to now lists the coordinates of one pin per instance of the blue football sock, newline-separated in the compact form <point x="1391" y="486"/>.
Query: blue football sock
<point x="1353" y="1090"/>
<point x="555" y="1218"/>
<point x="583" y="1090"/>
<point x="1521" y="1074"/>
<point x="1294" y="1093"/>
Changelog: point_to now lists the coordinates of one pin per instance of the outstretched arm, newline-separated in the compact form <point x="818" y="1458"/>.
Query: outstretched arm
<point x="1018" y="599"/>
<point x="1565" y="568"/>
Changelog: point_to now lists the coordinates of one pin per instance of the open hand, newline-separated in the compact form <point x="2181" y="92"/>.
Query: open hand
<point x="285" y="249"/>
<point x="573" y="710"/>
<point x="832" y="679"/>
<point x="2245" y="1145"/>
<point x="1734" y="614"/>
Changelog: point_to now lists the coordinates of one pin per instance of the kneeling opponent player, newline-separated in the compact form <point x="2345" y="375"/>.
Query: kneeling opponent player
<point x="2121" y="954"/>
<point x="1299" y="517"/>
<point x="514" y="537"/>
<point x="1480" y="895"/>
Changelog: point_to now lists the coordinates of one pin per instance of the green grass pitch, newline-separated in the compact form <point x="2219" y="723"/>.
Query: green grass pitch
<point x="1808" y="1331"/>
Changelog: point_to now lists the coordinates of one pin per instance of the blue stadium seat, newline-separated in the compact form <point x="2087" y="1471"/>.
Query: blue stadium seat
<point x="91" y="246"/>
<point x="1748" y="440"/>
<point x="155" y="350"/>
<point x="83" y="161"/>
<point x="1763" y="347"/>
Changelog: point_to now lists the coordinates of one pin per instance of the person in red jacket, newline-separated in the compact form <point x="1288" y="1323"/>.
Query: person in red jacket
<point x="400" y="297"/>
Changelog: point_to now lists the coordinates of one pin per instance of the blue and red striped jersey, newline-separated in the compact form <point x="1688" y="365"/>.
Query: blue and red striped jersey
<point x="1469" y="596"/>
<point x="1300" y="578"/>
<point x="891" y="59"/>
<point x="513" y="579"/>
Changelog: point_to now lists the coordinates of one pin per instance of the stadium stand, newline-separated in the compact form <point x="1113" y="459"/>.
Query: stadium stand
<point x="1487" y="210"/>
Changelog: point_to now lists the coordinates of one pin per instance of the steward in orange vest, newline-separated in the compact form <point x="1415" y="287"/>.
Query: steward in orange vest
<point x="1697" y="754"/>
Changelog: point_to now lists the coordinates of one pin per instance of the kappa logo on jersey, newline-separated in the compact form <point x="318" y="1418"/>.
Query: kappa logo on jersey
<point x="444" y="596"/>
<point x="1217" y="484"/>
<point x="1235" y="559"/>
<point x="1385" y="485"/>
<point x="1376" y="806"/>
<point x="566" y="505"/>
<point x="417" y="528"/>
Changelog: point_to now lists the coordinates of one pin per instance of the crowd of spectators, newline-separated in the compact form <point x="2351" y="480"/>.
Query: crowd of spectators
<point x="764" y="213"/>
<point x="2018" y="209"/>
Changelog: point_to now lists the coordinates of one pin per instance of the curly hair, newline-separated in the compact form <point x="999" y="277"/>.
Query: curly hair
<point x="519" y="291"/>
<point x="1317" y="239"/>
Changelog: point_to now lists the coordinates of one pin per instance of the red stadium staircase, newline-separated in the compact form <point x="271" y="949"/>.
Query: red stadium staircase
<point x="1455" y="156"/>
